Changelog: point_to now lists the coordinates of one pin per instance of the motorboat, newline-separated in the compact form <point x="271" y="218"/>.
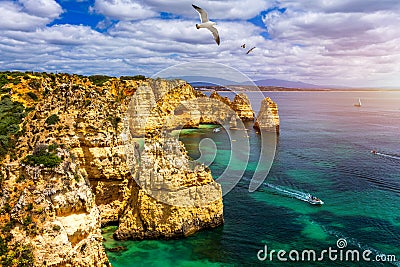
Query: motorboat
<point x="216" y="130"/>
<point x="314" y="200"/>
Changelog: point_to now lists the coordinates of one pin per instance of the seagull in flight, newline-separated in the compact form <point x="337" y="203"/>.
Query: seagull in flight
<point x="205" y="23"/>
<point x="250" y="50"/>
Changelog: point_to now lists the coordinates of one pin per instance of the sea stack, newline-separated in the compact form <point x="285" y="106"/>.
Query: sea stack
<point x="241" y="104"/>
<point x="268" y="117"/>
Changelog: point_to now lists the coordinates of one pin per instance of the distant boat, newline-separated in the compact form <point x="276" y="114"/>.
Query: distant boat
<point x="216" y="130"/>
<point x="358" y="104"/>
<point x="314" y="200"/>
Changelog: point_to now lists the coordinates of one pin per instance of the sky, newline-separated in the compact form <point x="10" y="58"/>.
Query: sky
<point x="325" y="42"/>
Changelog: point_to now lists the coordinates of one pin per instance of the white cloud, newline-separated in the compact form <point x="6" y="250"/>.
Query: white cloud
<point x="122" y="9"/>
<point x="14" y="19"/>
<point x="42" y="8"/>
<point x="134" y="10"/>
<point x="323" y="42"/>
<point x="339" y="41"/>
<point x="27" y="15"/>
<point x="218" y="9"/>
<point x="341" y="6"/>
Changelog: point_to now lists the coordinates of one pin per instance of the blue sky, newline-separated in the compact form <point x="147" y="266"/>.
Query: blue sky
<point x="341" y="42"/>
<point x="77" y="13"/>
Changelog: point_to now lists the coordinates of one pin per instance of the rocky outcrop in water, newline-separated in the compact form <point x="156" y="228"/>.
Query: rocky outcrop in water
<point x="268" y="117"/>
<point x="240" y="104"/>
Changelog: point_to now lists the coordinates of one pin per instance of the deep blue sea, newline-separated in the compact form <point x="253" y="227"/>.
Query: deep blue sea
<point x="324" y="148"/>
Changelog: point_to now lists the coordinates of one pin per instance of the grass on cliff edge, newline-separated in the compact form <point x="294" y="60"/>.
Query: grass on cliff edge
<point x="11" y="115"/>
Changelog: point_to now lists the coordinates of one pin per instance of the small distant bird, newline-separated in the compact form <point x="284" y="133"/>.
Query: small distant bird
<point x="205" y="23"/>
<point x="243" y="46"/>
<point x="250" y="50"/>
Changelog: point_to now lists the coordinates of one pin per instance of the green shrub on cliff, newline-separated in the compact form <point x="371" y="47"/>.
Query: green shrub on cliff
<point x="33" y="96"/>
<point x="18" y="255"/>
<point x="49" y="160"/>
<point x="3" y="246"/>
<point x="52" y="119"/>
<point x="99" y="80"/>
<point x="42" y="156"/>
<point x="11" y="115"/>
<point x="10" y="77"/>
<point x="135" y="78"/>
<point x="3" y="80"/>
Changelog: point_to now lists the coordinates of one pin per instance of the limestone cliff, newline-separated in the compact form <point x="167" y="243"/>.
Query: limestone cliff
<point x="177" y="105"/>
<point x="240" y="104"/>
<point x="173" y="199"/>
<point x="93" y="151"/>
<point x="67" y="174"/>
<point x="67" y="152"/>
<point x="268" y="117"/>
<point x="171" y="195"/>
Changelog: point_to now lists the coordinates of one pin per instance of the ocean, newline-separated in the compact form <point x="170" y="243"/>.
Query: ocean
<point x="324" y="149"/>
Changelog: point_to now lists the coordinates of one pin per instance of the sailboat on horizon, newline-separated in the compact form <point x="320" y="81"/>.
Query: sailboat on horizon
<point x="358" y="104"/>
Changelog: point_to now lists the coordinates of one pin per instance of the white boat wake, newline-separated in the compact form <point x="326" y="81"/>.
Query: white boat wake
<point x="387" y="156"/>
<point x="290" y="192"/>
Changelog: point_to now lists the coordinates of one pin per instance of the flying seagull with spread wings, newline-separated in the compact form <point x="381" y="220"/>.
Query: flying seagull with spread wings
<point x="250" y="50"/>
<point x="205" y="23"/>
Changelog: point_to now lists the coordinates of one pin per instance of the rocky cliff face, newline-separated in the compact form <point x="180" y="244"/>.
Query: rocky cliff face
<point x="268" y="117"/>
<point x="49" y="216"/>
<point x="92" y="153"/>
<point x="177" y="105"/>
<point x="69" y="150"/>
<point x="240" y="104"/>
<point x="171" y="197"/>
<point x="54" y="214"/>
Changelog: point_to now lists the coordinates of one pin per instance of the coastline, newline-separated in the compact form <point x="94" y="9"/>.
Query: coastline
<point x="304" y="90"/>
<point x="230" y="88"/>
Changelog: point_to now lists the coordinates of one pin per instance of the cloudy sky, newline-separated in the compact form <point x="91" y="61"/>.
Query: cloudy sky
<point x="328" y="42"/>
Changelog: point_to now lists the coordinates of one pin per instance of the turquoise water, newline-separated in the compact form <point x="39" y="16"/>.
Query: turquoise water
<point x="324" y="149"/>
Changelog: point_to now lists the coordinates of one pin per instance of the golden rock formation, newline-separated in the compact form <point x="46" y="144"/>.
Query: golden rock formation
<point x="240" y="104"/>
<point x="268" y="117"/>
<point x="146" y="185"/>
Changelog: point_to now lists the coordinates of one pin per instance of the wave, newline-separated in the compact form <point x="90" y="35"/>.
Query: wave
<point x="356" y="243"/>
